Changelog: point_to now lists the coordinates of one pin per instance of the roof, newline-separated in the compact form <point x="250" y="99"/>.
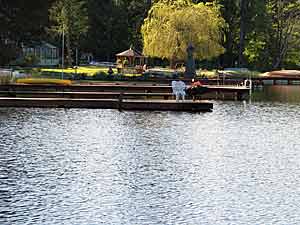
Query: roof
<point x="48" y="45"/>
<point x="39" y="44"/>
<point x="131" y="53"/>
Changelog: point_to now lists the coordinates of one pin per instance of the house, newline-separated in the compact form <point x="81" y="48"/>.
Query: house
<point x="45" y="53"/>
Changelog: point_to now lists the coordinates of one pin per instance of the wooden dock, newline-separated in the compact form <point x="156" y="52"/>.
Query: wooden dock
<point x="120" y="104"/>
<point x="112" y="90"/>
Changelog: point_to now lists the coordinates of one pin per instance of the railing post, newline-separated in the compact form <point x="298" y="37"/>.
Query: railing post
<point x="120" y="100"/>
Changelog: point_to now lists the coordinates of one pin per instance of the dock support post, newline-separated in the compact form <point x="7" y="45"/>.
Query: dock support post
<point x="239" y="96"/>
<point x="120" y="100"/>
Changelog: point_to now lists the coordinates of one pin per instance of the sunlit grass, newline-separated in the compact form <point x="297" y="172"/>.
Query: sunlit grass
<point x="87" y="70"/>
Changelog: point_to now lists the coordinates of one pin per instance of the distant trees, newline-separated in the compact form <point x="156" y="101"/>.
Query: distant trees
<point x="172" y="25"/>
<point x="285" y="18"/>
<point x="69" y="18"/>
<point x="260" y="34"/>
<point x="21" y="21"/>
<point x="274" y="40"/>
<point x="115" y="25"/>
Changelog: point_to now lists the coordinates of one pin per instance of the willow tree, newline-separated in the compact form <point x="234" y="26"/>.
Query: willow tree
<point x="172" y="25"/>
<point x="70" y="19"/>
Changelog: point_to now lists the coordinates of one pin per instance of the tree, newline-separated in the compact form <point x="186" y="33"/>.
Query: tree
<point x="21" y="22"/>
<point x="230" y="12"/>
<point x="172" y="25"/>
<point x="69" y="18"/>
<point x="285" y="16"/>
<point x="108" y="33"/>
<point x="274" y="42"/>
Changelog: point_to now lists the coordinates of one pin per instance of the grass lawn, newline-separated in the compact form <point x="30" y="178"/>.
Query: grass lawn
<point x="86" y="70"/>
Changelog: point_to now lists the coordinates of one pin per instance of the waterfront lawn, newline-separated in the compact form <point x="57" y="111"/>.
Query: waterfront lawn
<point x="86" y="73"/>
<point x="86" y="70"/>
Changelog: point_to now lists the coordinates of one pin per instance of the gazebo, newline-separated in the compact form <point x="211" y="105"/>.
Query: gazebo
<point x="131" y="58"/>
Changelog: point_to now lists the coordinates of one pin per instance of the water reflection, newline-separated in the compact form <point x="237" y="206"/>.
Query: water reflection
<point x="237" y="165"/>
<point x="282" y="93"/>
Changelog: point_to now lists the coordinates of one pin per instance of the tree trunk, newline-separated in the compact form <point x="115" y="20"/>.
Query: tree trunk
<point x="242" y="32"/>
<point x="173" y="62"/>
<point x="69" y="50"/>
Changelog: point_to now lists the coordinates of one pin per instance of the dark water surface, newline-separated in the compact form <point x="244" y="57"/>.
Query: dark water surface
<point x="239" y="164"/>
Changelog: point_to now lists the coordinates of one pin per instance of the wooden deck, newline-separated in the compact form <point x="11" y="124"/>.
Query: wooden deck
<point x="80" y="95"/>
<point x="120" y="104"/>
<point x="112" y="90"/>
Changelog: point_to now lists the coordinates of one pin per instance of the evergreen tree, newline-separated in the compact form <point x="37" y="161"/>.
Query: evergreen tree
<point x="70" y="19"/>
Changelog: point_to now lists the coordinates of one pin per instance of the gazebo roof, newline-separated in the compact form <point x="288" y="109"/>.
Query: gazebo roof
<point x="131" y="53"/>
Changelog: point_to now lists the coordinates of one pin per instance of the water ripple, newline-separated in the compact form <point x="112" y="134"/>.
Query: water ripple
<point x="237" y="165"/>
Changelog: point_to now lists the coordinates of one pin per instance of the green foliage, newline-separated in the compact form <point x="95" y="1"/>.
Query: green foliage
<point x="261" y="34"/>
<point x="23" y="20"/>
<point x="8" y="53"/>
<point x="26" y="61"/>
<point x="30" y="60"/>
<point x="283" y="35"/>
<point x="69" y="18"/>
<point x="5" y="78"/>
<point x="172" y="25"/>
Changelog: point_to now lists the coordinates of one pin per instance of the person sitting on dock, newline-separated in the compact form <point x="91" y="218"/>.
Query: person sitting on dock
<point x="196" y="89"/>
<point x="196" y="83"/>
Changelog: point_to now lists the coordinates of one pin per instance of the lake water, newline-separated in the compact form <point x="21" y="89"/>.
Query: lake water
<point x="239" y="164"/>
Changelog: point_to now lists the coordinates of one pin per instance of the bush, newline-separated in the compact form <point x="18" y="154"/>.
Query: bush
<point x="100" y="76"/>
<point x="5" y="80"/>
<point x="27" y="61"/>
<point x="8" y="53"/>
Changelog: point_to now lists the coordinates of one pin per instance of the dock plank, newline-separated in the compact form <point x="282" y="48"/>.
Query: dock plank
<point x="127" y="104"/>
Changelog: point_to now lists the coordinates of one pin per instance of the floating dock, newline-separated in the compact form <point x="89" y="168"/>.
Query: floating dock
<point x="120" y="104"/>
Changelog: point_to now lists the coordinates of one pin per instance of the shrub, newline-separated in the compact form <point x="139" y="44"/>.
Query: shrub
<point x="8" y="53"/>
<point x="5" y="80"/>
<point x="27" y="61"/>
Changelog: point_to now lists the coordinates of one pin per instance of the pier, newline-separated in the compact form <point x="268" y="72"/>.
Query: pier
<point x="120" y="104"/>
<point x="113" y="90"/>
<point x="122" y="96"/>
